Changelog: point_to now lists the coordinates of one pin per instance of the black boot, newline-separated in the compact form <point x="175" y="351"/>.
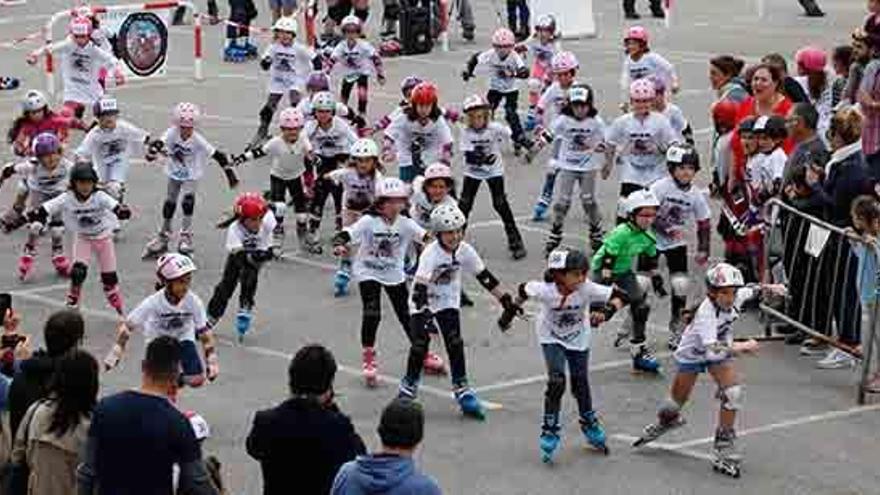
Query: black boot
<point x="515" y="243"/>
<point x="657" y="9"/>
<point x="178" y="16"/>
<point x="811" y="9"/>
<point x="629" y="9"/>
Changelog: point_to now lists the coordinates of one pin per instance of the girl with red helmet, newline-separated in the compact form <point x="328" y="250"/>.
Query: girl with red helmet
<point x="418" y="136"/>
<point x="641" y="62"/>
<point x="504" y="66"/>
<point x="291" y="172"/>
<point x="46" y="176"/>
<point x="249" y="245"/>
<point x="406" y="86"/>
<point x="82" y="63"/>
<point x="176" y="311"/>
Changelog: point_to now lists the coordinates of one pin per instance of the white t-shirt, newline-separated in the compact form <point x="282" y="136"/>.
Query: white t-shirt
<point x="763" y="169"/>
<point x="186" y="159"/>
<point x="433" y="134"/>
<point x="287" y="158"/>
<point x="650" y="64"/>
<point x="335" y="140"/>
<point x="420" y="207"/>
<point x="382" y="247"/>
<point x="641" y="145"/>
<point x="501" y="71"/>
<point x="158" y="317"/>
<point x="80" y="67"/>
<point x="354" y="60"/>
<point x="679" y="211"/>
<point x="358" y="191"/>
<point x="441" y="272"/>
<point x="238" y="238"/>
<point x="578" y="145"/>
<point x="551" y="102"/>
<point x="289" y="66"/>
<point x="677" y="120"/>
<point x="109" y="149"/>
<point x="564" y="320"/>
<point x="92" y="218"/>
<point x="710" y="325"/>
<point x="488" y="140"/>
<point x="41" y="179"/>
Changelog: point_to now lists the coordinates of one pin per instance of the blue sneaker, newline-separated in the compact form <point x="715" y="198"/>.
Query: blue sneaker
<point x="593" y="432"/>
<point x="644" y="360"/>
<point x="531" y="121"/>
<point x="407" y="389"/>
<point x="243" y="322"/>
<point x="540" y="212"/>
<point x="9" y="82"/>
<point x="549" y="439"/>
<point x="340" y="283"/>
<point x="469" y="403"/>
<point x="251" y="50"/>
<point x="234" y="54"/>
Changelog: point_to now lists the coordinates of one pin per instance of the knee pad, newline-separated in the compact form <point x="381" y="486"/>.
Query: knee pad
<point x="640" y="312"/>
<point x="267" y="112"/>
<point x="279" y="208"/>
<point x="36" y="228"/>
<point x="56" y="229"/>
<point x="21" y="188"/>
<point x="194" y="381"/>
<point x="644" y="284"/>
<point x="731" y="397"/>
<point x="188" y="204"/>
<point x="561" y="206"/>
<point x="78" y="273"/>
<point x="681" y="284"/>
<point x="168" y="208"/>
<point x="535" y="85"/>
<point x="109" y="279"/>
<point x="555" y="386"/>
<point x="301" y="218"/>
<point x="587" y="198"/>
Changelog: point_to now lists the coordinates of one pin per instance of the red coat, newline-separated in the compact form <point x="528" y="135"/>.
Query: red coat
<point x="53" y="122"/>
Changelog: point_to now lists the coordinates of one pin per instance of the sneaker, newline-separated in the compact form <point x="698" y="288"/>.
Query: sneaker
<point x="836" y="359"/>
<point x="813" y="347"/>
<point x="796" y="338"/>
<point x="873" y="385"/>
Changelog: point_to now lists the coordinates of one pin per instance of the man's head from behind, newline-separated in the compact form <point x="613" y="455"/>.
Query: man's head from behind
<point x="161" y="366"/>
<point x="63" y="331"/>
<point x="402" y="425"/>
<point x="311" y="373"/>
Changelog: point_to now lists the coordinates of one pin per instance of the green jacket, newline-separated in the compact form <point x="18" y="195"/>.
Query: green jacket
<point x="624" y="243"/>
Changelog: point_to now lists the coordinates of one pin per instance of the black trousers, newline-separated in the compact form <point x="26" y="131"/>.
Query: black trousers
<point x="279" y="189"/>
<point x="371" y="291"/>
<point x="238" y="269"/>
<point x="469" y="190"/>
<point x="325" y="188"/>
<point x="449" y="323"/>
<point x="511" y="101"/>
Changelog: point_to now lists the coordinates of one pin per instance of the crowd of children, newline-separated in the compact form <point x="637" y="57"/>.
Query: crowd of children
<point x="404" y="235"/>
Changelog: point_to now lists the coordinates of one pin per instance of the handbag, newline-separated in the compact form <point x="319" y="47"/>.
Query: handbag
<point x="19" y="473"/>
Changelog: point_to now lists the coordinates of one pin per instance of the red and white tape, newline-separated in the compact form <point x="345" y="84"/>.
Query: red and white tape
<point x="18" y="41"/>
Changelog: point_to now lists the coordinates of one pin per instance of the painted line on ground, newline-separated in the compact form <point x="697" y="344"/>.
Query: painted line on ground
<point x="39" y="290"/>
<point x="629" y="439"/>
<point x="262" y="351"/>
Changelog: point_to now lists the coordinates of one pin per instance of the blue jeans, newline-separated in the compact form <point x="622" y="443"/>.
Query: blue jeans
<point x="555" y="357"/>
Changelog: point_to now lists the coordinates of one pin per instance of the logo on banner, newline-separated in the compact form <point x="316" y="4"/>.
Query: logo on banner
<point x="142" y="43"/>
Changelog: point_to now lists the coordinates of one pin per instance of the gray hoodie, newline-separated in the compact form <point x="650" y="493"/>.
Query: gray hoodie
<point x="385" y="474"/>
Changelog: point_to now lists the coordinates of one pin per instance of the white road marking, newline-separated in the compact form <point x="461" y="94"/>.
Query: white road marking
<point x="629" y="439"/>
<point x="262" y="351"/>
<point x="38" y="290"/>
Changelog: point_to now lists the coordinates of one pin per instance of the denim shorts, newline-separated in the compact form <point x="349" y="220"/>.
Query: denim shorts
<point x="189" y="359"/>
<point x="700" y="367"/>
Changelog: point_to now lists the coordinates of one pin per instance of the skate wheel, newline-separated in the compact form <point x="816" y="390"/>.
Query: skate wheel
<point x="371" y="382"/>
<point x="605" y="450"/>
<point x="546" y="458"/>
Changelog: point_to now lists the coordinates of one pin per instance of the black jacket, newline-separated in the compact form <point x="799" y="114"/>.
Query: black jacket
<point x="301" y="445"/>
<point x="846" y="178"/>
<point x="30" y="384"/>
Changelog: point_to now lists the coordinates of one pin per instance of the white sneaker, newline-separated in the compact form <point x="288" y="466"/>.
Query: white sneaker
<point x="836" y="359"/>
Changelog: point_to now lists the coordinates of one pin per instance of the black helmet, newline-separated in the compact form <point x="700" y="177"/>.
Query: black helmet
<point x="567" y="259"/>
<point x="773" y="126"/>
<point x="747" y="125"/>
<point x="682" y="154"/>
<point x="83" y="171"/>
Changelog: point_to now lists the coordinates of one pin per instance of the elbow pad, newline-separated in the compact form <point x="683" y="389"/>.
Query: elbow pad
<point x="266" y="63"/>
<point x="8" y="172"/>
<point x="420" y="296"/>
<point x="341" y="238"/>
<point x="487" y="280"/>
<point x="258" y="152"/>
<point x="522" y="73"/>
<point x="521" y="292"/>
<point x="38" y="215"/>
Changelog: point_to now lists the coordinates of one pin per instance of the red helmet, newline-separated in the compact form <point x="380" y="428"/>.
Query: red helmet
<point x="425" y="93"/>
<point x="724" y="113"/>
<point x="250" y="205"/>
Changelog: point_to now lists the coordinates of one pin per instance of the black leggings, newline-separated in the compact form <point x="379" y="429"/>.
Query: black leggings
<point x="469" y="190"/>
<point x="279" y="189"/>
<point x="449" y="323"/>
<point x="372" y="308"/>
<point x="363" y="87"/>
<point x="511" y="100"/>
<point x="238" y="269"/>
<point x="324" y="188"/>
<point x="518" y="8"/>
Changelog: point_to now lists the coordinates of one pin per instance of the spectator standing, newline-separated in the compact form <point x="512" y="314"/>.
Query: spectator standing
<point x="137" y="436"/>
<point x="725" y="79"/>
<point x="302" y="442"/>
<point x="869" y="101"/>
<point x="790" y="87"/>
<point x="63" y="332"/>
<point x="391" y="471"/>
<point x="54" y="430"/>
<point x="802" y="121"/>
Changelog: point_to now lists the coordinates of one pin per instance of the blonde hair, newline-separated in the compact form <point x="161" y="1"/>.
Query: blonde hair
<point x="847" y="125"/>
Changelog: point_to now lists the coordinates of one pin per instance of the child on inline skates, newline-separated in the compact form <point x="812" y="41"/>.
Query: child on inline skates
<point x="358" y="60"/>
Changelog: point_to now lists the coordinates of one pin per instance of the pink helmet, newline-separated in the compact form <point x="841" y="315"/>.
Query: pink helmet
<point x="811" y="59"/>
<point x="503" y="37"/>
<point x="172" y="266"/>
<point x="637" y="33"/>
<point x="642" y="89"/>
<point x="317" y="81"/>
<point x="564" y="62"/>
<point x="438" y="171"/>
<point x="291" y="118"/>
<point x="186" y="114"/>
<point x="80" y="26"/>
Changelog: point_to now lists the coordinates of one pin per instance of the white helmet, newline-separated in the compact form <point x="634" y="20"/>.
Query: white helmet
<point x="364" y="148"/>
<point x="392" y="187"/>
<point x="642" y="89"/>
<point x="474" y="102"/>
<point x="724" y="275"/>
<point x="438" y="171"/>
<point x="446" y="218"/>
<point x="286" y="23"/>
<point x="200" y="427"/>
<point x="186" y="114"/>
<point x="642" y="198"/>
<point x="34" y="100"/>
<point x="291" y="118"/>
<point x="172" y="266"/>
<point x="350" y="21"/>
<point x="323" y="100"/>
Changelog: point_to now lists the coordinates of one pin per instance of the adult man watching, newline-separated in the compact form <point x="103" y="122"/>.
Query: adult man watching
<point x="137" y="436"/>
<point x="302" y="442"/>
<point x="809" y="149"/>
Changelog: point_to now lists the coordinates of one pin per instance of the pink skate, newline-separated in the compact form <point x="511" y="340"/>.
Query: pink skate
<point x="434" y="364"/>
<point x="61" y="264"/>
<point x="25" y="266"/>
<point x="370" y="373"/>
